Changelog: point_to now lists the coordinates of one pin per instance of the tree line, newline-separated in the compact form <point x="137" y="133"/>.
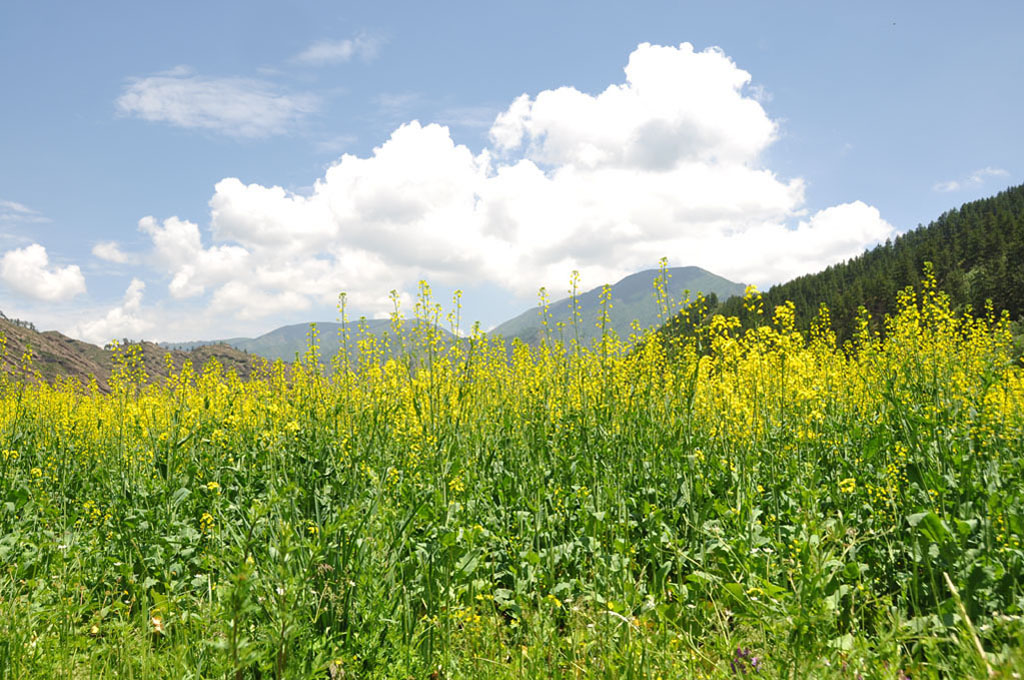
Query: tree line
<point x="977" y="252"/>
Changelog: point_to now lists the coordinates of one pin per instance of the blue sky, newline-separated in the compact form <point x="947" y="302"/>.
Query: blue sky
<point x="199" y="170"/>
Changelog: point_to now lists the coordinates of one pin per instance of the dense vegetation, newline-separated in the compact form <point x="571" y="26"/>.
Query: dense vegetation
<point x="765" y="503"/>
<point x="977" y="253"/>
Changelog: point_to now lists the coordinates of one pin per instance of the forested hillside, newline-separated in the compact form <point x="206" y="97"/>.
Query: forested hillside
<point x="977" y="252"/>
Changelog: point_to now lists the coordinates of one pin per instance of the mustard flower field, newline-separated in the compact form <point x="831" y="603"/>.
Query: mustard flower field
<point x="719" y="503"/>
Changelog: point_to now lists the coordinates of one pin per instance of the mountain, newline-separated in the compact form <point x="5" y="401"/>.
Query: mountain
<point x="55" y="355"/>
<point x="288" y="342"/>
<point x="632" y="298"/>
<point x="977" y="252"/>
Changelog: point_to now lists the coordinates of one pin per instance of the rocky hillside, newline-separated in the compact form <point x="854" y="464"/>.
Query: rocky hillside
<point x="55" y="355"/>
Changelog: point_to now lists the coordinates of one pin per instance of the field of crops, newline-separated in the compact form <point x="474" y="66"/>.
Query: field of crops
<point x="744" y="503"/>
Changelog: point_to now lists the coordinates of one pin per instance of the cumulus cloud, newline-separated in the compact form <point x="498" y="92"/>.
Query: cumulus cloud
<point x="976" y="178"/>
<point x="830" y="235"/>
<point x="334" y="51"/>
<point x="238" y="107"/>
<point x="177" y="246"/>
<point x="111" y="252"/>
<point x="666" y="163"/>
<point x="28" y="271"/>
<point x="126" y="320"/>
<point x="676" y="106"/>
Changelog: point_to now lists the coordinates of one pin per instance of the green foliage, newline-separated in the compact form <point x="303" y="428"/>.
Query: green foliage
<point x="978" y="256"/>
<point x="764" y="504"/>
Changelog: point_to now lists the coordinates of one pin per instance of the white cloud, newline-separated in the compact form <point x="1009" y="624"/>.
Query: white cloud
<point x="976" y="178"/>
<point x="15" y="207"/>
<point x="979" y="176"/>
<point x="126" y="320"/>
<point x="27" y="270"/>
<point x="246" y="301"/>
<point x="12" y="211"/>
<point x="238" y="107"/>
<point x="178" y="247"/>
<point x="334" y="51"/>
<point x="667" y="163"/>
<point x="676" y="106"/>
<point x="111" y="252"/>
<point x="830" y="235"/>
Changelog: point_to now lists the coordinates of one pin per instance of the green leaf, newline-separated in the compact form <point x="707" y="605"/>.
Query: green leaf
<point x="468" y="564"/>
<point x="738" y="592"/>
<point x="931" y="526"/>
<point x="843" y="643"/>
<point x="179" y="495"/>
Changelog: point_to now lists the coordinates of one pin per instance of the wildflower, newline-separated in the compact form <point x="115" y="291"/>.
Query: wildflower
<point x="848" y="485"/>
<point x="743" y="662"/>
<point x="213" y="486"/>
<point x="157" y="623"/>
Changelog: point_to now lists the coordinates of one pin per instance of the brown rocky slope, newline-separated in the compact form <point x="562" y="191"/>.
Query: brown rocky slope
<point x="55" y="355"/>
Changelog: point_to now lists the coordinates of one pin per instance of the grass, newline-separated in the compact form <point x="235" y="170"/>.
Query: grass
<point x="742" y="503"/>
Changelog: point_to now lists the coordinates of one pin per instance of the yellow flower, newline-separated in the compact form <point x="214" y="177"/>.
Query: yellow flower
<point x="848" y="485"/>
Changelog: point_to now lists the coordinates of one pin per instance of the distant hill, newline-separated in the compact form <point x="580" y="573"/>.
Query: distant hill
<point x="632" y="298"/>
<point x="56" y="355"/>
<point x="288" y="342"/>
<point x="977" y="252"/>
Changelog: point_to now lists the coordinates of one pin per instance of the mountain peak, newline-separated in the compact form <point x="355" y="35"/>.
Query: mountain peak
<point x="632" y="297"/>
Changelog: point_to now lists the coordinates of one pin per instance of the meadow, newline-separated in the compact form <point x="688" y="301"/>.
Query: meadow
<point x="726" y="502"/>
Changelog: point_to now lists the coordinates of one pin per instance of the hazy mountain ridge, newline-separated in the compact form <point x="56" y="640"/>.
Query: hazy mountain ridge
<point x="292" y="341"/>
<point x="632" y="298"/>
